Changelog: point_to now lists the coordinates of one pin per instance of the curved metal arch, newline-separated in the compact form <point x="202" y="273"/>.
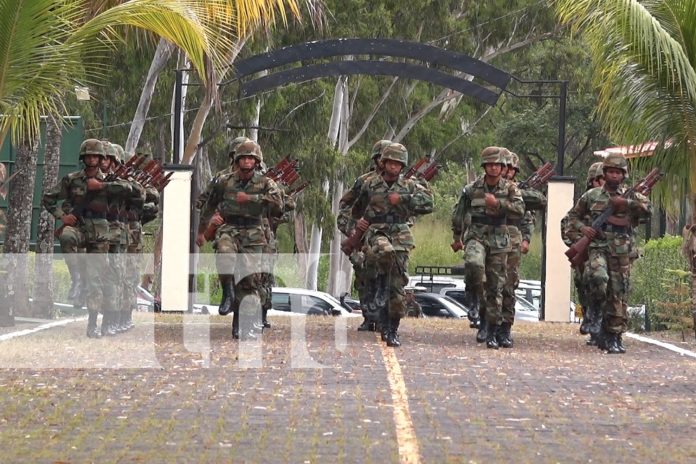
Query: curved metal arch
<point x="385" y="68"/>
<point x="434" y="56"/>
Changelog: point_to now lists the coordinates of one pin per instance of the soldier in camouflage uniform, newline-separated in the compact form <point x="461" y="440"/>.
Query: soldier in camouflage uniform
<point x="487" y="201"/>
<point x="611" y="251"/>
<point x="348" y="214"/>
<point x="238" y="202"/>
<point x="520" y="229"/>
<point x="86" y="226"/>
<point x="591" y="316"/>
<point x="389" y="201"/>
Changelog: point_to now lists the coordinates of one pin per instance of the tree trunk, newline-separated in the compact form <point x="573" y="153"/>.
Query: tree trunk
<point x="43" y="266"/>
<point x="162" y="54"/>
<point x="301" y="244"/>
<point x="18" y="233"/>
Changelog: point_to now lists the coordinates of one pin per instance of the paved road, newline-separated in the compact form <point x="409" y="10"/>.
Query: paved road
<point x="163" y="393"/>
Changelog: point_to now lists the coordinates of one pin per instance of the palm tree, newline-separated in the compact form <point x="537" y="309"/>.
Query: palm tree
<point x="49" y="46"/>
<point x="644" y="59"/>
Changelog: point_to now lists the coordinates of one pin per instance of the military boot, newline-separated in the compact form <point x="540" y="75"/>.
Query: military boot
<point x="264" y="319"/>
<point x="504" y="337"/>
<point x="393" y="333"/>
<point x="619" y="343"/>
<point x="385" y="325"/>
<point x="92" y="330"/>
<point x="235" y="325"/>
<point x="473" y="313"/>
<point x="108" y="328"/>
<point x="595" y="319"/>
<point x="613" y="344"/>
<point x="482" y="334"/>
<point x="592" y="341"/>
<point x="365" y="326"/>
<point x="227" y="304"/>
<point x="129" y="319"/>
<point x="120" y="325"/>
<point x="491" y="336"/>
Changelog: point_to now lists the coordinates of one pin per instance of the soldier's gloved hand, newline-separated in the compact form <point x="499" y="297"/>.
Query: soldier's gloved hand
<point x="619" y="203"/>
<point x="69" y="219"/>
<point x="394" y="198"/>
<point x="94" y="184"/>
<point x="200" y="239"/>
<point x="362" y="224"/>
<point x="243" y="197"/>
<point x="217" y="220"/>
<point x="524" y="246"/>
<point x="491" y="201"/>
<point x="588" y="232"/>
<point x="457" y="245"/>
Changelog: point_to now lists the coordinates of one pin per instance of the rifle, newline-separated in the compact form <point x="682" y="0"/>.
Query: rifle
<point x="539" y="178"/>
<point x="415" y="168"/>
<point x="352" y="242"/>
<point x="126" y="169"/>
<point x="578" y="253"/>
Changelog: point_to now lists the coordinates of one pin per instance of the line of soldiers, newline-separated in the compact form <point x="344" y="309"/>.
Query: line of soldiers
<point x="602" y="281"/>
<point x="101" y="237"/>
<point x="376" y="215"/>
<point x="241" y="209"/>
<point x="493" y="223"/>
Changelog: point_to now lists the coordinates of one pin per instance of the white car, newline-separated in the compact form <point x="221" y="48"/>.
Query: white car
<point x="435" y="283"/>
<point x="287" y="301"/>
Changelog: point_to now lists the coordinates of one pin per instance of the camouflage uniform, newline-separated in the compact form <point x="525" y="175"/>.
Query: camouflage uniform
<point x="388" y="238"/>
<point x="486" y="241"/>
<point x="348" y="214"/>
<point x="591" y="317"/>
<point x="520" y="228"/>
<point x="611" y="253"/>
<point x="241" y="235"/>
<point x="91" y="232"/>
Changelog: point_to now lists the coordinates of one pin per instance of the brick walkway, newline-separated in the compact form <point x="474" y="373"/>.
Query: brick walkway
<point x="181" y="396"/>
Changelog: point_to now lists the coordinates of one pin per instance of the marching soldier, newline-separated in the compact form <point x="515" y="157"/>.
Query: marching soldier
<point x="237" y="204"/>
<point x="387" y="202"/>
<point x="348" y="214"/>
<point x="487" y="202"/>
<point x="611" y="252"/>
<point x="86" y="226"/>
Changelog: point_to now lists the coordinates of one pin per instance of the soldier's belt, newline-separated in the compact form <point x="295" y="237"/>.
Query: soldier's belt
<point x="387" y="219"/>
<point x="489" y="221"/>
<point x="242" y="221"/>
<point x="628" y="230"/>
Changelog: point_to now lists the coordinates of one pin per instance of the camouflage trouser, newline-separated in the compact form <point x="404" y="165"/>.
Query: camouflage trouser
<point x="239" y="251"/>
<point x="391" y="266"/>
<point x="118" y="244"/>
<point x="512" y="281"/>
<point x="364" y="284"/>
<point x="268" y="278"/>
<point x="93" y="236"/>
<point x="478" y="261"/>
<point x="608" y="283"/>
<point x="580" y="282"/>
<point x="133" y="262"/>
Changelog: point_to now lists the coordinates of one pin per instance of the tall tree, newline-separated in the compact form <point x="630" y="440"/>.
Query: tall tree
<point x="644" y="63"/>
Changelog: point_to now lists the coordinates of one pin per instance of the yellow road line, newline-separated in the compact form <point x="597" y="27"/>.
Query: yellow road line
<point x="409" y="452"/>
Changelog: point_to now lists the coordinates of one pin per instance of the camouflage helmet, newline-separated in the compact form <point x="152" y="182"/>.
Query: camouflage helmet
<point x="395" y="152"/>
<point x="92" y="147"/>
<point x="494" y="155"/>
<point x="110" y="150"/>
<point x="594" y="172"/>
<point x="615" y="160"/>
<point x="121" y="152"/>
<point x="248" y="148"/>
<point x="234" y="143"/>
<point x="378" y="147"/>
<point x="514" y="161"/>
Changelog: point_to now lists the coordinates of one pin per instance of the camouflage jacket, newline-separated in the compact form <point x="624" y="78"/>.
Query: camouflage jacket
<point x="265" y="198"/>
<point x="619" y="239"/>
<point x="392" y="220"/>
<point x="349" y="211"/>
<point x="72" y="189"/>
<point x="488" y="226"/>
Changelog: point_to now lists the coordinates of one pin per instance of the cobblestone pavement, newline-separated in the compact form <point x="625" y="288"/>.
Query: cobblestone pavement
<point x="172" y="392"/>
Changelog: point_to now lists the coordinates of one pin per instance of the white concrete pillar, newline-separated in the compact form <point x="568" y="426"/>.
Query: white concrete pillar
<point x="176" y="239"/>
<point x="557" y="272"/>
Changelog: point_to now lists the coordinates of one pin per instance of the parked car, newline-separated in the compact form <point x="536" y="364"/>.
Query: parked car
<point x="300" y="301"/>
<point x="434" y="283"/>
<point x="524" y="310"/>
<point x="530" y="290"/>
<point x="350" y="303"/>
<point x="436" y="305"/>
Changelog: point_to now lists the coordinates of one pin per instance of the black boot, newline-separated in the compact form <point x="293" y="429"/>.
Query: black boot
<point x="129" y="319"/>
<point x="92" y="330"/>
<point x="491" y="336"/>
<point x="264" y="319"/>
<point x="473" y="313"/>
<point x="504" y="337"/>
<point x="592" y="341"/>
<point x="482" y="334"/>
<point x="120" y="325"/>
<point x="385" y="325"/>
<point x="365" y="326"/>
<point x="393" y="334"/>
<point x="613" y="344"/>
<point x="619" y="343"/>
<point x="227" y="304"/>
<point x="595" y="320"/>
<point x="108" y="324"/>
<point x="235" y="325"/>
